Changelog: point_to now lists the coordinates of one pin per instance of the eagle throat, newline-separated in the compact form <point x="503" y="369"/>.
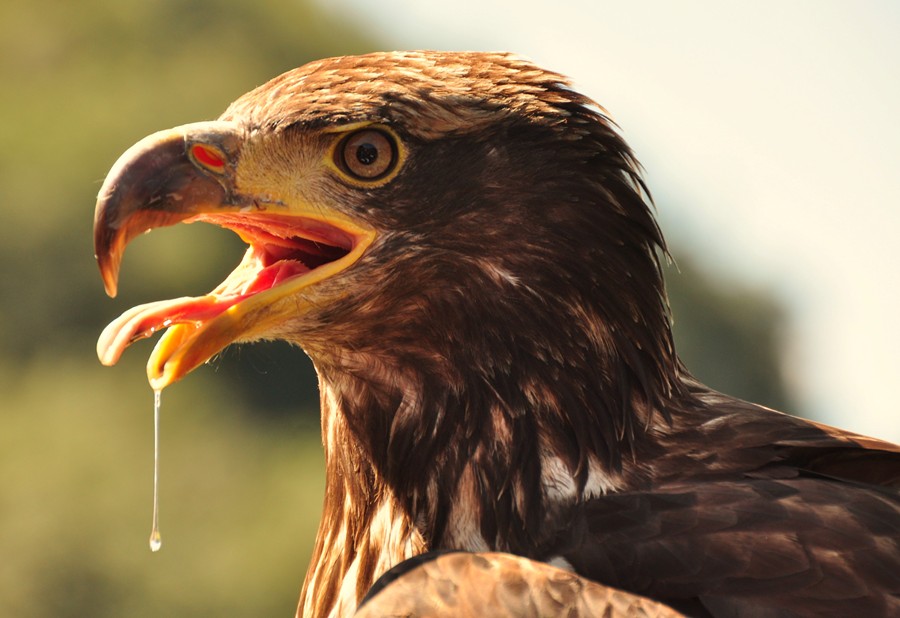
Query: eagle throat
<point x="477" y="445"/>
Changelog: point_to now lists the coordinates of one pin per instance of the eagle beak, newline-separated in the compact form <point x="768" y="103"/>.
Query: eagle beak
<point x="189" y="174"/>
<point x="162" y="180"/>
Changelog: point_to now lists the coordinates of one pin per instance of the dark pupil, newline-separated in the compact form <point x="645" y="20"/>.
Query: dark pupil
<point x="366" y="154"/>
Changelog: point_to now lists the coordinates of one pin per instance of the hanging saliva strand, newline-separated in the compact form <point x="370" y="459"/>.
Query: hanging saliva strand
<point x="155" y="538"/>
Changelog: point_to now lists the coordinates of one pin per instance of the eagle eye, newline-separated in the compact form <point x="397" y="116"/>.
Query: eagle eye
<point x="368" y="154"/>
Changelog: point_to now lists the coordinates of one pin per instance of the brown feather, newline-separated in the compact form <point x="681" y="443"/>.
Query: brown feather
<point x="452" y="585"/>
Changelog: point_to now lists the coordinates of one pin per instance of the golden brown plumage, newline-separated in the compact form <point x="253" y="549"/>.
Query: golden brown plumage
<point x="452" y="584"/>
<point x="463" y="246"/>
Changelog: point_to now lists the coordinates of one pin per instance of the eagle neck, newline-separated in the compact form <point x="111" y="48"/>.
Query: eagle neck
<point x="364" y="529"/>
<point x="421" y="457"/>
<point x="433" y="445"/>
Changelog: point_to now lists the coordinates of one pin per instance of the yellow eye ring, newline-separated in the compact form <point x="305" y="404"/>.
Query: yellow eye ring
<point x="370" y="155"/>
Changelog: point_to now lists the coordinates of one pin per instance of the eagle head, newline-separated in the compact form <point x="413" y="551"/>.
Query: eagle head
<point x="441" y="213"/>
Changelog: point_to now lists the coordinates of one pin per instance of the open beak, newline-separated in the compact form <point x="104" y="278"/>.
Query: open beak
<point x="187" y="174"/>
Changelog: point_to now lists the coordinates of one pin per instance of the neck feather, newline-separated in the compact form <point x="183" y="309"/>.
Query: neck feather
<point x="364" y="529"/>
<point x="414" y="463"/>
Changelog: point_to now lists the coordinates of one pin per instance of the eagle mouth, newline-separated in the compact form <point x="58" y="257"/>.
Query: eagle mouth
<point x="281" y="247"/>
<point x="286" y="253"/>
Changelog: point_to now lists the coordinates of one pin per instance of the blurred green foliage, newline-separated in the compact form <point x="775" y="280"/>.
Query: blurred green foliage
<point x="239" y="500"/>
<point x="241" y="462"/>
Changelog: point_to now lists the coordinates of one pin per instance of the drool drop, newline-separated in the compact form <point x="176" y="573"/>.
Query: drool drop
<point x="155" y="538"/>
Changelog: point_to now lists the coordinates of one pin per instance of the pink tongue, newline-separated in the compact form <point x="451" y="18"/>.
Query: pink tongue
<point x="144" y="320"/>
<point x="272" y="275"/>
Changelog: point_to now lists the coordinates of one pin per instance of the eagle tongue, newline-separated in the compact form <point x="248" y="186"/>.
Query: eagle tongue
<point x="144" y="320"/>
<point x="277" y="273"/>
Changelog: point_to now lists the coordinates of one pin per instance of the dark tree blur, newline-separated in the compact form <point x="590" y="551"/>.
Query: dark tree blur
<point x="729" y="335"/>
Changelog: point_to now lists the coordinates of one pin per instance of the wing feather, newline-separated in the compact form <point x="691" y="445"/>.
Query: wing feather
<point x="804" y="544"/>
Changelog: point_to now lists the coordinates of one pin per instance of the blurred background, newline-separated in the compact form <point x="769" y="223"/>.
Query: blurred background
<point x="768" y="135"/>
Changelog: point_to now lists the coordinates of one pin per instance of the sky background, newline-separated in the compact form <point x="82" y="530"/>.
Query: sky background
<point x="770" y="141"/>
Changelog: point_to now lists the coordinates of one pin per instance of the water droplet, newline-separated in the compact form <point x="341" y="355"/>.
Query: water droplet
<point x="155" y="538"/>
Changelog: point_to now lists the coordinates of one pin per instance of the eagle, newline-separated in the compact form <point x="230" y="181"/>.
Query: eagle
<point x="464" y="246"/>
